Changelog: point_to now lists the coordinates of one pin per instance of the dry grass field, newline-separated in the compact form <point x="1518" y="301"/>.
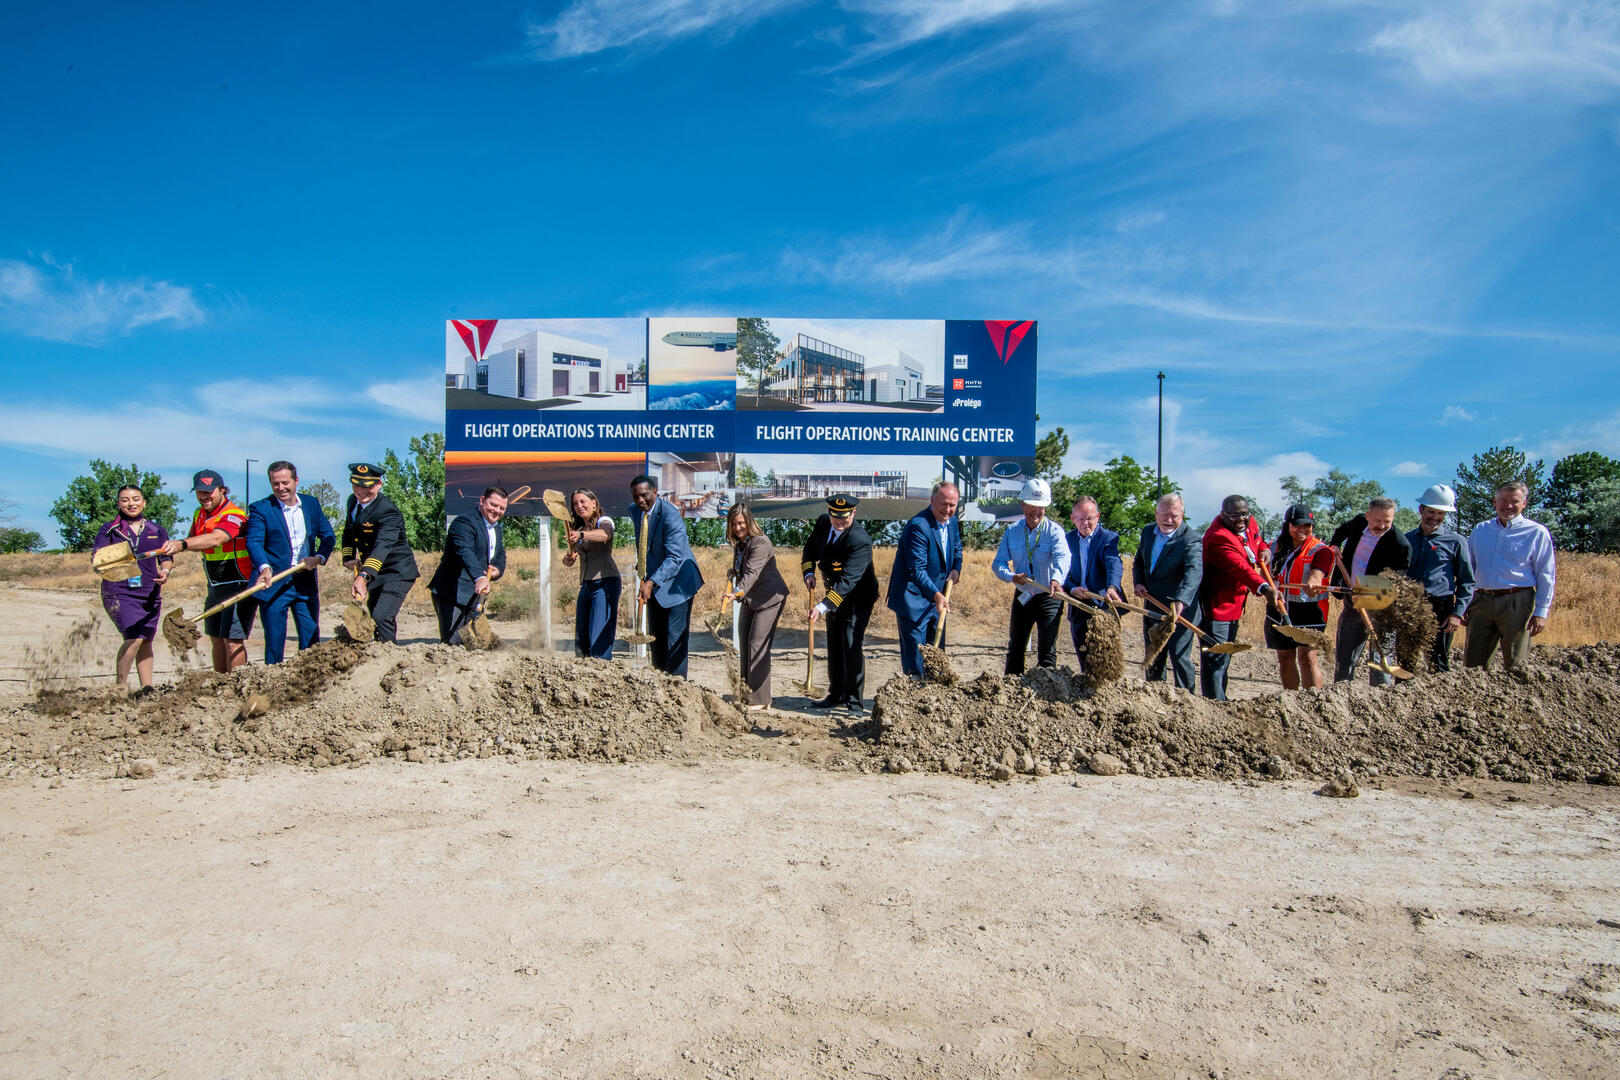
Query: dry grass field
<point x="1586" y="608"/>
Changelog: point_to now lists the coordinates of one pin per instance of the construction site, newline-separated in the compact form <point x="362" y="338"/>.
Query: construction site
<point x="429" y="860"/>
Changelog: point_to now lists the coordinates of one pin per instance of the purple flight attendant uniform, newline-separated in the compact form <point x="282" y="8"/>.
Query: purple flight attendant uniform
<point x="134" y="605"/>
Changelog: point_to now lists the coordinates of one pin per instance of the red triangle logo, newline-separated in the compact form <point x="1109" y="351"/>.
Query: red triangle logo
<point x="486" y="330"/>
<point x="466" y="335"/>
<point x="1005" y="334"/>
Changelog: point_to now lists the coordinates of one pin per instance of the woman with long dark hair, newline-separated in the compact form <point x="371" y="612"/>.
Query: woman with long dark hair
<point x="760" y="594"/>
<point x="1300" y="563"/>
<point x="590" y="543"/>
<point x="135" y="604"/>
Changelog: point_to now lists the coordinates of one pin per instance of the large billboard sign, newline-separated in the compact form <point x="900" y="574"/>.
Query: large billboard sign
<point x="778" y="411"/>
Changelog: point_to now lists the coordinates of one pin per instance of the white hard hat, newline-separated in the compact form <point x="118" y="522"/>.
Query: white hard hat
<point x="1439" y="497"/>
<point x="1036" y="492"/>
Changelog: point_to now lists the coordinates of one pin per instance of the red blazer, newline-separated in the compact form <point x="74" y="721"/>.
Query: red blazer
<point x="1229" y="576"/>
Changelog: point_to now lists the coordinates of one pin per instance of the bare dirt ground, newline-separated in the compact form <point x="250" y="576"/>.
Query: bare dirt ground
<point x="424" y="862"/>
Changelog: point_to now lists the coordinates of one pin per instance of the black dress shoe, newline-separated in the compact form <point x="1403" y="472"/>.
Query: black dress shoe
<point x="855" y="708"/>
<point x="827" y="702"/>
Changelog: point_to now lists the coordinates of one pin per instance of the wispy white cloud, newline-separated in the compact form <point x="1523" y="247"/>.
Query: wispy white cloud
<point x="49" y="299"/>
<point x="1601" y="434"/>
<point x="419" y="399"/>
<point x="1409" y="468"/>
<point x="587" y="27"/>
<point x="1456" y="414"/>
<point x="1507" y="46"/>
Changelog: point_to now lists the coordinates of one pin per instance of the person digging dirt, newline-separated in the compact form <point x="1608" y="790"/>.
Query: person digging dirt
<point x="217" y="531"/>
<point x="1300" y="563"/>
<point x="1094" y="566"/>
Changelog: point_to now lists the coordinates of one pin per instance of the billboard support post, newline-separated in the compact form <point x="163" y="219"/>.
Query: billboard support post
<point x="544" y="577"/>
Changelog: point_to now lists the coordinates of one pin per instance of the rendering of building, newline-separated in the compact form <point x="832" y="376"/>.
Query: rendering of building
<point x="877" y="484"/>
<point x="538" y="366"/>
<point x="896" y="379"/>
<point x="698" y="484"/>
<point x="815" y="370"/>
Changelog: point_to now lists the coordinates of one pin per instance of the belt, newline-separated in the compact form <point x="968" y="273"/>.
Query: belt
<point x="1505" y="592"/>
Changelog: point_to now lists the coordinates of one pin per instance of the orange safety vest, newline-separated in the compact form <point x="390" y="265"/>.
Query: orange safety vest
<point x="1297" y="568"/>
<point x="228" y="563"/>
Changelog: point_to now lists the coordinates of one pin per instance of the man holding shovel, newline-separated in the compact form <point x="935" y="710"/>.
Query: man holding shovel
<point x="1168" y="567"/>
<point x="217" y="531"/>
<point x="286" y="529"/>
<point x="1440" y="561"/>
<point x="376" y="548"/>
<point x="474" y="556"/>
<point x="1233" y="548"/>
<point x="1094" y="567"/>
<point x="1034" y="556"/>
<point x="1368" y="544"/>
<point x="927" y="562"/>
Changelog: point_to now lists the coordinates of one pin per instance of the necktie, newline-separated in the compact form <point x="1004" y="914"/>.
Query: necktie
<point x="641" y="547"/>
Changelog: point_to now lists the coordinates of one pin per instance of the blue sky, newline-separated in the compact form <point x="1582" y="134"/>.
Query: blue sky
<point x="1377" y="236"/>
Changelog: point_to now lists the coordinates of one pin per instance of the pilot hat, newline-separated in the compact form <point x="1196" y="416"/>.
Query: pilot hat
<point x="842" y="503"/>
<point x="363" y="472"/>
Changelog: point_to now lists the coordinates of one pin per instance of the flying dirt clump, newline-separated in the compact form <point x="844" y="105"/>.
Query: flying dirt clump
<point x="45" y="662"/>
<point x="1558" y="718"/>
<point x="937" y="666"/>
<point x="1412" y="620"/>
<point x="1105" y="648"/>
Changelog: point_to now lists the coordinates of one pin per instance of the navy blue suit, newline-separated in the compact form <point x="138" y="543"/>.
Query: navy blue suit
<point x="1101" y="570"/>
<point x="921" y="567"/>
<point x="676" y="580"/>
<point x="268" y="544"/>
<point x="466" y="556"/>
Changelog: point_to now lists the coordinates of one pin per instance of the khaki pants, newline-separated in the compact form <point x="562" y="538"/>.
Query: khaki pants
<point x="1499" y="620"/>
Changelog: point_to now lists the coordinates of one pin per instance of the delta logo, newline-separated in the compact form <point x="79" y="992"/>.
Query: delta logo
<point x="1007" y="334"/>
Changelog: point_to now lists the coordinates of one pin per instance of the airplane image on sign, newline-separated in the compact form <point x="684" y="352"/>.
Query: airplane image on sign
<point x="702" y="339"/>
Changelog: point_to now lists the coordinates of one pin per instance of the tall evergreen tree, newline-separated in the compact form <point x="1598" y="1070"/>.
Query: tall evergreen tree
<point x="1477" y="481"/>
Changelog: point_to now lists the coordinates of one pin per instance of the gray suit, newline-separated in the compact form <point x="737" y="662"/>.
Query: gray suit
<point x="1172" y="579"/>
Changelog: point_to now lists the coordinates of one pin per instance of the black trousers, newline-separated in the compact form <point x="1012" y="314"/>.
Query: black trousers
<point x="1212" y="667"/>
<point x="383" y="600"/>
<point x="1177" y="652"/>
<point x="1440" y="659"/>
<point x="668" y="627"/>
<point x="1079" y="627"/>
<point x="1043" y="614"/>
<point x="846" y="657"/>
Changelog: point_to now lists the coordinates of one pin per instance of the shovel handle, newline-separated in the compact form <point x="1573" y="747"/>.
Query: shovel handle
<point x="245" y="593"/>
<point x="939" y="625"/>
<point x="1366" y="620"/>
<point x="1156" y="602"/>
<point x="1265" y="572"/>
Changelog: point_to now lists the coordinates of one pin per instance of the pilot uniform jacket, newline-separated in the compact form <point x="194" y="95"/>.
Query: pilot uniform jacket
<point x="375" y="534"/>
<point x="922" y="565"/>
<point x="1179" y="571"/>
<point x="845" y="565"/>
<point x="466" y="556"/>
<point x="1392" y="552"/>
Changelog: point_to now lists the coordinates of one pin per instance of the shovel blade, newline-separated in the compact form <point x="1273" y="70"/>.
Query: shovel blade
<point x="1391" y="668"/>
<point x="358" y="622"/>
<point x="1227" y="648"/>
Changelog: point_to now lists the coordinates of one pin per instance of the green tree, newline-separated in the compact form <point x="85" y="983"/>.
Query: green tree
<point x="417" y="488"/>
<point x="92" y="500"/>
<point x="1478" y="480"/>
<point x="748" y="476"/>
<point x="15" y="540"/>
<point x="1125" y="494"/>
<point x="1270" y="522"/>
<point x="1336" y="497"/>
<point x="331" y="502"/>
<point x="1050" y="451"/>
<point x="1595" y="519"/>
<point x="756" y="354"/>
<point x="1569" y="498"/>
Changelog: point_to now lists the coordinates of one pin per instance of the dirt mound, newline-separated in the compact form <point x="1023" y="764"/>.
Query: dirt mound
<point x="344" y="702"/>
<point x="1556" y="719"/>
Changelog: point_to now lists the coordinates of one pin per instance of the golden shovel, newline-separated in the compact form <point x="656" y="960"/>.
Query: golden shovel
<point x="809" y="684"/>
<point x="118" y="562"/>
<point x="181" y="632"/>
<point x="1368" y="593"/>
<point x="1220" y="648"/>
<point x="1311" y="639"/>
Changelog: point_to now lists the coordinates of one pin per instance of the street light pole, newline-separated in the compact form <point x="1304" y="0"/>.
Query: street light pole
<point x="247" y="479"/>
<point x="1159" y="488"/>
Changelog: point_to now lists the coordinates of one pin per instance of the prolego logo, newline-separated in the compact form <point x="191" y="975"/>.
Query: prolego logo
<point x="966" y="403"/>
